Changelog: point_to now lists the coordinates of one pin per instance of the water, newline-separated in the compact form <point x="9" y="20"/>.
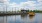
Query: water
<point x="37" y="18"/>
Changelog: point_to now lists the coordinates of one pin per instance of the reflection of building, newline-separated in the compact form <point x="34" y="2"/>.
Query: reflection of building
<point x="23" y="16"/>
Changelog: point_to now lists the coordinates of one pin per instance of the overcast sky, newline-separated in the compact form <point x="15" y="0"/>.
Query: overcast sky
<point x="20" y="4"/>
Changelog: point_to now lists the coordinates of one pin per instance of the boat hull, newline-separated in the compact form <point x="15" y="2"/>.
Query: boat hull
<point x="31" y="13"/>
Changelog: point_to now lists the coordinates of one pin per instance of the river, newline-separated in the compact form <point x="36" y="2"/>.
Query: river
<point x="37" y="18"/>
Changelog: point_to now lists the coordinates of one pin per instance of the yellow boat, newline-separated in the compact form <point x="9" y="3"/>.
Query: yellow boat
<point x="31" y="13"/>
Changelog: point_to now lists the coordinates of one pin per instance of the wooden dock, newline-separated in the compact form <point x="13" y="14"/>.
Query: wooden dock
<point x="7" y="14"/>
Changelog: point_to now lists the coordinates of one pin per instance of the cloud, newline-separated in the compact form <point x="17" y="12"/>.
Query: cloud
<point x="1" y="1"/>
<point x="28" y="4"/>
<point x="39" y="0"/>
<point x="3" y="4"/>
<point x="31" y="5"/>
<point x="39" y="4"/>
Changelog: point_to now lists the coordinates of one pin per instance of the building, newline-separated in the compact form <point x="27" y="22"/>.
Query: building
<point x="24" y="11"/>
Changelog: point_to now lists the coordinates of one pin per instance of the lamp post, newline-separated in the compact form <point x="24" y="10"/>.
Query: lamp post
<point x="15" y="15"/>
<point x="6" y="8"/>
<point x="3" y="12"/>
<point x="12" y="9"/>
<point x="6" y="13"/>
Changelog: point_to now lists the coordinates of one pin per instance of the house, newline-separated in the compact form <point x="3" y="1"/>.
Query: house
<point x="24" y="11"/>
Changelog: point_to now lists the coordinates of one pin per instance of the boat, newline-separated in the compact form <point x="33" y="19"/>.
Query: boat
<point x="31" y="13"/>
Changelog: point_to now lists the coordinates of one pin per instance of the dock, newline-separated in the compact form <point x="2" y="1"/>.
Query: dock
<point x="7" y="14"/>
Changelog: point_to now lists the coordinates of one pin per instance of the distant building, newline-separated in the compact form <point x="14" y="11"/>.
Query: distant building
<point x="24" y="11"/>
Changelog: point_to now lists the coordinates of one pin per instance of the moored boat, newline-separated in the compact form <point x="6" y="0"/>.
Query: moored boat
<point x="31" y="13"/>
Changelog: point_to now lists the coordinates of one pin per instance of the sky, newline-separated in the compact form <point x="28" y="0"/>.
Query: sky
<point x="20" y="4"/>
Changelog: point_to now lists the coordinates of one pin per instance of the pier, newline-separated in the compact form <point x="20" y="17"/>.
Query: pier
<point x="22" y="12"/>
<point x="3" y="14"/>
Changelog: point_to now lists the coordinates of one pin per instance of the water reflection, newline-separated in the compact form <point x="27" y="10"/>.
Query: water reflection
<point x="27" y="18"/>
<point x="37" y="18"/>
<point x="23" y="16"/>
<point x="31" y="16"/>
<point x="1" y="19"/>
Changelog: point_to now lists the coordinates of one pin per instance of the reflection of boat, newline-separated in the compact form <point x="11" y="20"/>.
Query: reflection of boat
<point x="31" y="13"/>
<point x="31" y="17"/>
